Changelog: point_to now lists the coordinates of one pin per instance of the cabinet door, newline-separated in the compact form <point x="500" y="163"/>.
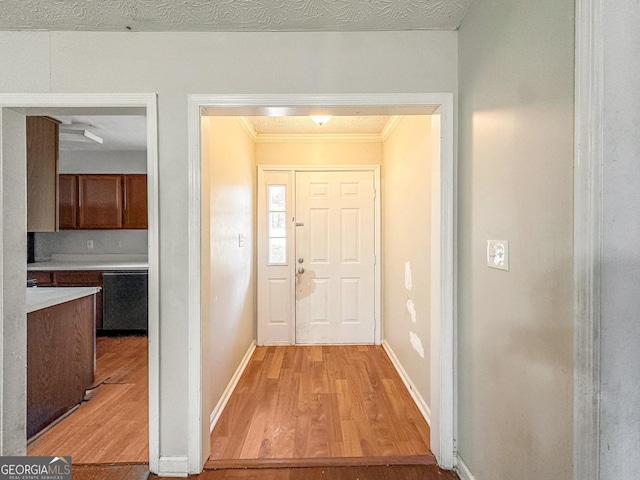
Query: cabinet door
<point x="42" y="172"/>
<point x="68" y="197"/>
<point x="135" y="201"/>
<point x="100" y="201"/>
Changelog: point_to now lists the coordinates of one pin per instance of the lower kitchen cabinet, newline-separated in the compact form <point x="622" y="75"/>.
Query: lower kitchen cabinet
<point x="72" y="278"/>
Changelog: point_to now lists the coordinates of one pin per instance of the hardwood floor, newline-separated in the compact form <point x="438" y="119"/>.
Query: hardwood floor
<point x="113" y="426"/>
<point x="335" y="404"/>
<point x="141" y="472"/>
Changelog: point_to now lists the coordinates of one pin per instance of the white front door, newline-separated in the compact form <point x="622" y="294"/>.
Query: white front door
<point x="335" y="257"/>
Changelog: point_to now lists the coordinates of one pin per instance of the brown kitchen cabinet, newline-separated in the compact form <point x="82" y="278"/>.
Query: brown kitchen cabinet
<point x="42" y="171"/>
<point x="68" y="201"/>
<point x="77" y="278"/>
<point x="135" y="201"/>
<point x="103" y="202"/>
<point x="99" y="201"/>
<point x="60" y="360"/>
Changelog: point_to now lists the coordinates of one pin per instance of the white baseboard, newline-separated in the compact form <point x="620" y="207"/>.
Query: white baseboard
<point x="417" y="398"/>
<point x="173" y="467"/>
<point x="463" y="470"/>
<point x="217" y="411"/>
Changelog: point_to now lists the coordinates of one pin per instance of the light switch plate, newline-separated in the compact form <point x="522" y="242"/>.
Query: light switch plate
<point x="498" y="254"/>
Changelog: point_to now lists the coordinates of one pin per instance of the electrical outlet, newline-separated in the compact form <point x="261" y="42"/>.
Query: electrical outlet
<point x="89" y="244"/>
<point x="118" y="243"/>
<point x="498" y="254"/>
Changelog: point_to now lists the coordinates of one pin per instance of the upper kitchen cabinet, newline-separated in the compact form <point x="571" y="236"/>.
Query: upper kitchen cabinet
<point x="103" y="202"/>
<point x="99" y="201"/>
<point x="68" y="201"/>
<point x="42" y="173"/>
<point x="135" y="201"/>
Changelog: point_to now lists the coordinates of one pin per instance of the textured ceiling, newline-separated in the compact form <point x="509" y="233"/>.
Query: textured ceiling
<point x="232" y="15"/>
<point x="354" y="125"/>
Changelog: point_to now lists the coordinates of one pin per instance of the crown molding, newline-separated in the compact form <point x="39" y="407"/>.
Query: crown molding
<point x="248" y="127"/>
<point x="323" y="138"/>
<point x="390" y="127"/>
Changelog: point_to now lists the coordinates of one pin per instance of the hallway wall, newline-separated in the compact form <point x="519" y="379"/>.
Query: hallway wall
<point x="318" y="153"/>
<point x="228" y="270"/>
<point x="515" y="328"/>
<point x="406" y="239"/>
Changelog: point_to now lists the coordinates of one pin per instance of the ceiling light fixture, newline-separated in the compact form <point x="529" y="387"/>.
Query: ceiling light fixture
<point x="71" y="133"/>
<point x="321" y="119"/>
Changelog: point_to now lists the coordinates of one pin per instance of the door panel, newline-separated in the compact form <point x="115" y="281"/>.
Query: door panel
<point x="335" y="238"/>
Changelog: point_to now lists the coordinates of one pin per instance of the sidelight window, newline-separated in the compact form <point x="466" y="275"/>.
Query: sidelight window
<point x="277" y="224"/>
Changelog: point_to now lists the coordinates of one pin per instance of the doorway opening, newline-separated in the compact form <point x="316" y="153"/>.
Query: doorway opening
<point x="202" y="135"/>
<point x="103" y="143"/>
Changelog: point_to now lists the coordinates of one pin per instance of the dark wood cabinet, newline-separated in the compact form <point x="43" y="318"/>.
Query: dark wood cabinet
<point x="60" y="360"/>
<point x="135" y="201"/>
<point x="103" y="202"/>
<point x="99" y="201"/>
<point x="42" y="170"/>
<point x="43" y="279"/>
<point x="72" y="278"/>
<point x="68" y="201"/>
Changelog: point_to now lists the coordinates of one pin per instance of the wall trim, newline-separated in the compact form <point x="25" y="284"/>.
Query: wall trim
<point x="174" y="466"/>
<point x="148" y="101"/>
<point x="248" y="127"/>
<point x="413" y="391"/>
<point x="391" y="125"/>
<point x="231" y="386"/>
<point x="462" y="469"/>
<point x="588" y="230"/>
<point x="318" y="138"/>
<point x="443" y="382"/>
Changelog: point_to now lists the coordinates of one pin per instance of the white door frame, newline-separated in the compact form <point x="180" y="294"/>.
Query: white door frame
<point x="375" y="169"/>
<point x="443" y="402"/>
<point x="587" y="243"/>
<point x="15" y="411"/>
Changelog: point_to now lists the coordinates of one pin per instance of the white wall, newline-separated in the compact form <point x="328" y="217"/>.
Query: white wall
<point x="406" y="238"/>
<point x="515" y="335"/>
<point x="174" y="65"/>
<point x="319" y="153"/>
<point x="229" y="275"/>
<point x="620" y="307"/>
<point x="90" y="161"/>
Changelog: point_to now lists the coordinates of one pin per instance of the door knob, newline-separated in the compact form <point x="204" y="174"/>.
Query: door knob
<point x="300" y="270"/>
<point x="300" y="260"/>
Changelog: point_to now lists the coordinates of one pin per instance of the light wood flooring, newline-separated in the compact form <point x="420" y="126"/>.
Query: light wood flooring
<point x="112" y="427"/>
<point x="330" y="405"/>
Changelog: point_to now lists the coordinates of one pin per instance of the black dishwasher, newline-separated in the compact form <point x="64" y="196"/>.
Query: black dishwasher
<point x="125" y="302"/>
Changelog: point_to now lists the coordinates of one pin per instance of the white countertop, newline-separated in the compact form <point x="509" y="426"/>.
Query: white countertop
<point x="43" y="297"/>
<point x="92" y="262"/>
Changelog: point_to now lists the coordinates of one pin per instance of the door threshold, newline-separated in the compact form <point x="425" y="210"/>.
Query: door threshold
<point x="243" y="463"/>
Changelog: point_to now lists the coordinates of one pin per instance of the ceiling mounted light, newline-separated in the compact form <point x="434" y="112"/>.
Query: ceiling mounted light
<point x="321" y="119"/>
<point x="77" y="133"/>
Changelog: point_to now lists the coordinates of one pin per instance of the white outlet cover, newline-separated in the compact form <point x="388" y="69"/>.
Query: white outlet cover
<point x="498" y="254"/>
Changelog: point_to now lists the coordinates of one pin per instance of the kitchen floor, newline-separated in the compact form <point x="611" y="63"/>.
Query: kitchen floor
<point x="112" y="424"/>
